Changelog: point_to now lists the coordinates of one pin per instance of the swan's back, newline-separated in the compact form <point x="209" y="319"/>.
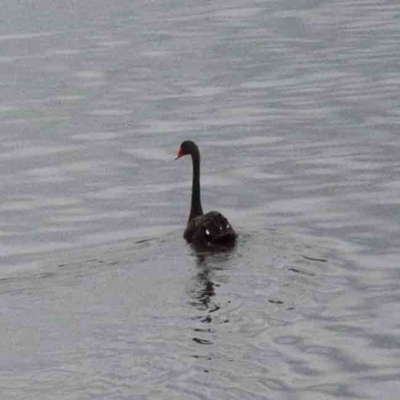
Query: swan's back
<point x="210" y="228"/>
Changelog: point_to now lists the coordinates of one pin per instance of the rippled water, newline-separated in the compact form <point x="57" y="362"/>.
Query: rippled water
<point x="295" y="106"/>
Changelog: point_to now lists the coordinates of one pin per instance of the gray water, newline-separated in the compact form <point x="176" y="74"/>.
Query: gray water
<point x="296" y="109"/>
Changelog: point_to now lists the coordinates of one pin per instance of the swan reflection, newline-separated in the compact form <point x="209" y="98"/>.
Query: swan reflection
<point x="202" y="288"/>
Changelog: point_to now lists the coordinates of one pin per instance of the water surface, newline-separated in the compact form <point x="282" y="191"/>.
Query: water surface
<point x="295" y="109"/>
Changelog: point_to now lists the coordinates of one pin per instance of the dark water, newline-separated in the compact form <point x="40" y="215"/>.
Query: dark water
<point x="295" y="106"/>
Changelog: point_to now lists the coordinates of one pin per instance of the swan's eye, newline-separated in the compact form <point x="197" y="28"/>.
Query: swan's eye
<point x="227" y="226"/>
<point x="220" y="228"/>
<point x="207" y="232"/>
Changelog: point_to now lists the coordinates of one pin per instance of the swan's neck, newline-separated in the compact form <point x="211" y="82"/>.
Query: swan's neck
<point x="196" y="209"/>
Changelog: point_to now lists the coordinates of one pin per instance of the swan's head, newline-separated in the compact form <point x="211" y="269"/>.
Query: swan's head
<point x="187" y="147"/>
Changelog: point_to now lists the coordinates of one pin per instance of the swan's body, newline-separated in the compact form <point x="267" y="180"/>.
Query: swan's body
<point x="211" y="228"/>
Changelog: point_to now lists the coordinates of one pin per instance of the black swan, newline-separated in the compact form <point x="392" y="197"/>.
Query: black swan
<point x="211" y="228"/>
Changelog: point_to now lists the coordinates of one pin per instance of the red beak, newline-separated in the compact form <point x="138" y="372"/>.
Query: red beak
<point x="179" y="155"/>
